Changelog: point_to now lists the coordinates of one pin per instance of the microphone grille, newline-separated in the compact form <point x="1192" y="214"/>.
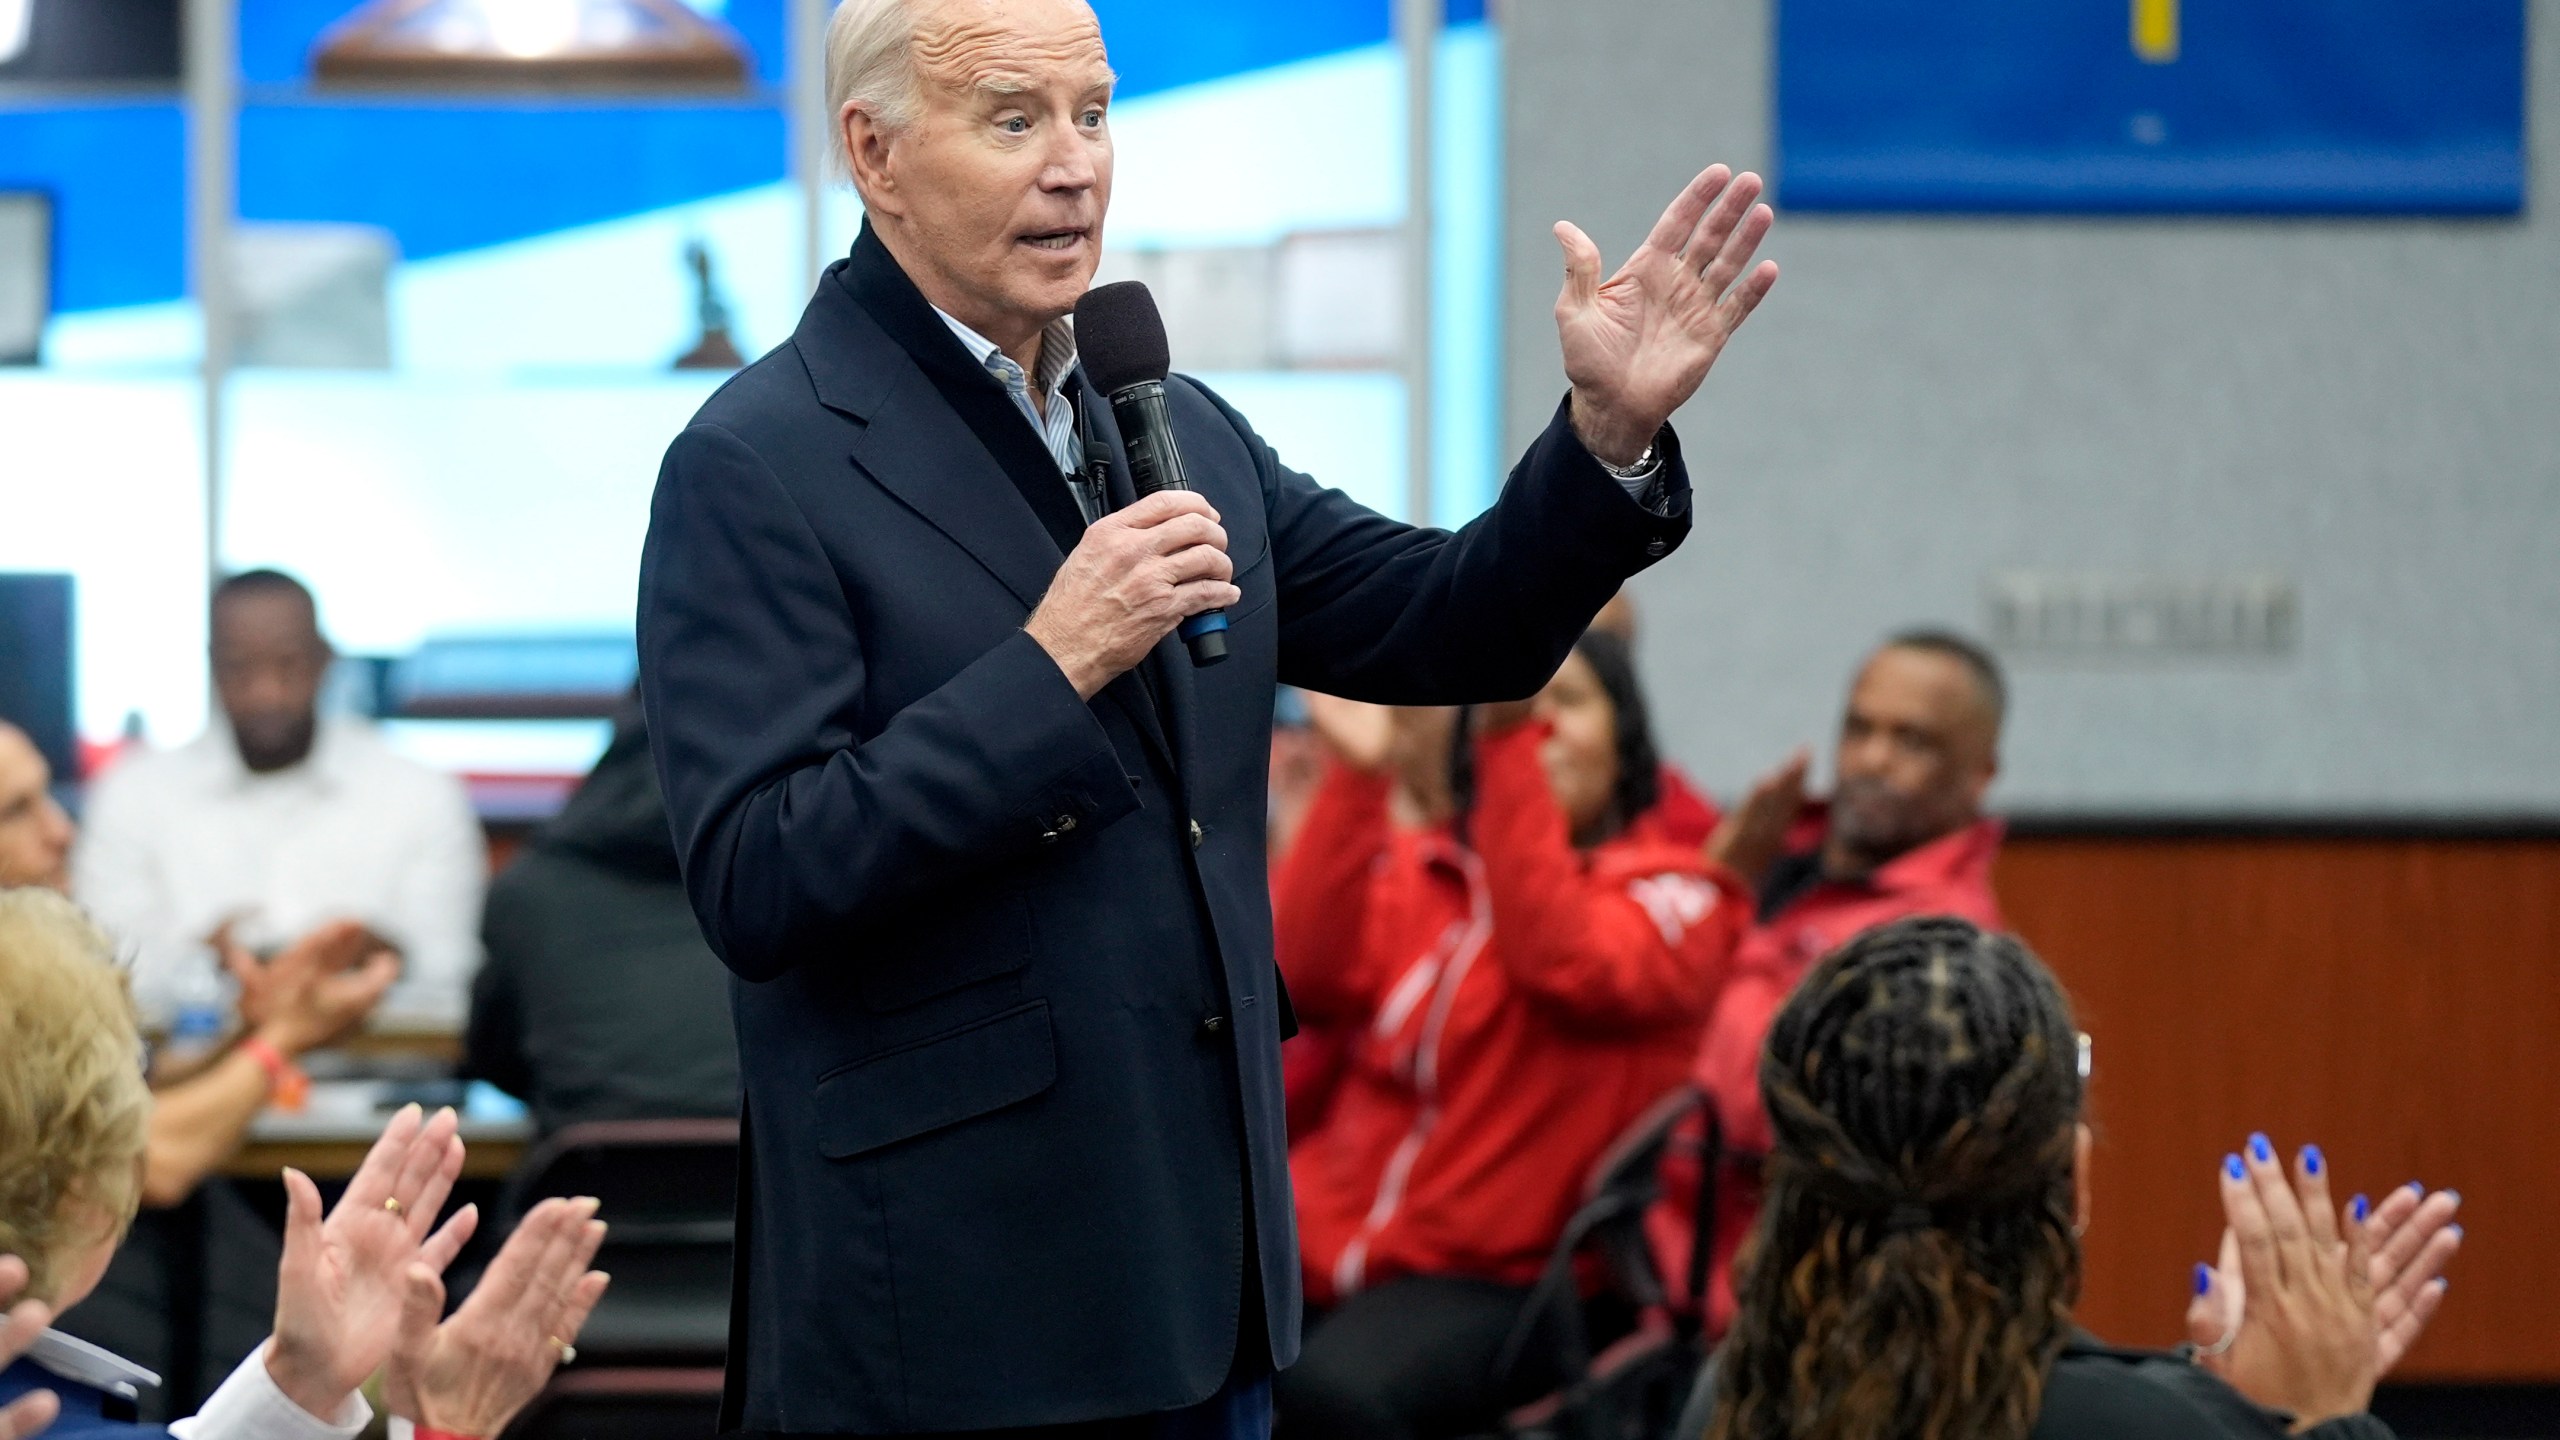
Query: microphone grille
<point x="1120" y="337"/>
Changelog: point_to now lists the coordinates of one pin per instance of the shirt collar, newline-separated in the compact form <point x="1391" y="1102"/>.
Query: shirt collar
<point x="319" y="768"/>
<point x="1057" y="349"/>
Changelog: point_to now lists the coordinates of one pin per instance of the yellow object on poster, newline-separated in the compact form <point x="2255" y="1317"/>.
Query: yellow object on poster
<point x="2155" y="31"/>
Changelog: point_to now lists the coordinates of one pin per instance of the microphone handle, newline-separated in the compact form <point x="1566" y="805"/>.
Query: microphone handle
<point x="1155" y="463"/>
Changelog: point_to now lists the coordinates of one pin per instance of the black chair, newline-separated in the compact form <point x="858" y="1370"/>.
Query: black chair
<point x="1629" y="1389"/>
<point x="669" y="1192"/>
<point x="679" y="1403"/>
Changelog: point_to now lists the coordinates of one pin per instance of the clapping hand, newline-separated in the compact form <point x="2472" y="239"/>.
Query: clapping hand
<point x="1359" y="734"/>
<point x="1748" y="839"/>
<point x="2309" y="1343"/>
<point x="2413" y="1239"/>
<point x="316" y="989"/>
<point x="1637" y="346"/>
<point x="472" y="1373"/>
<point x="344" y="1281"/>
<point x="32" y="1412"/>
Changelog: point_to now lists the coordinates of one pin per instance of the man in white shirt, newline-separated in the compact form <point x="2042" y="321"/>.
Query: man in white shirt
<point x="276" y="820"/>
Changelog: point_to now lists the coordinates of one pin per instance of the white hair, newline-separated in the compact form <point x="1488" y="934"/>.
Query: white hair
<point x="871" y="63"/>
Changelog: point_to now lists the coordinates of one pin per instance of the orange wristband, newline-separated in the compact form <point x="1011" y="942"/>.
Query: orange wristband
<point x="421" y="1432"/>
<point x="286" y="1084"/>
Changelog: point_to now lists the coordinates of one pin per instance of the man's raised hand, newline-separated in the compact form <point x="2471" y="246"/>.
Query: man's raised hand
<point x="1637" y="347"/>
<point x="1136" y="574"/>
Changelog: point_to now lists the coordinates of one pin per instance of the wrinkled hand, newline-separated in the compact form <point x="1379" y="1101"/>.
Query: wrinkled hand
<point x="33" y="1411"/>
<point x="2310" y="1342"/>
<point x="2412" y="1238"/>
<point x="471" y="1374"/>
<point x="316" y="989"/>
<point x="1136" y="574"/>
<point x="1747" y="840"/>
<point x="1637" y="347"/>
<point x="344" y="1281"/>
<point x="1359" y="734"/>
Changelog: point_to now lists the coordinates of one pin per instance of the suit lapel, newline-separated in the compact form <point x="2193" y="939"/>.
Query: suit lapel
<point x="919" y="451"/>
<point x="922" y="450"/>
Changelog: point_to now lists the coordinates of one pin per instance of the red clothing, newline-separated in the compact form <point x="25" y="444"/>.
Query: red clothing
<point x="1510" y="1008"/>
<point x="1948" y="876"/>
<point x="1685" y="814"/>
<point x="1311" y="1062"/>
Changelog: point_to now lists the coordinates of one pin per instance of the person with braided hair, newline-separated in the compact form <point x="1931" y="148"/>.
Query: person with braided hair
<point x="1904" y="833"/>
<point x="1917" y="1256"/>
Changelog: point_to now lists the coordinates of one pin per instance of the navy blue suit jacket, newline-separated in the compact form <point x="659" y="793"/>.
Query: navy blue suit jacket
<point x="1007" y="1017"/>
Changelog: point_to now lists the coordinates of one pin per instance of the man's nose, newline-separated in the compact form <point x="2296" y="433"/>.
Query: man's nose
<point x="1070" y="161"/>
<point x="57" y="825"/>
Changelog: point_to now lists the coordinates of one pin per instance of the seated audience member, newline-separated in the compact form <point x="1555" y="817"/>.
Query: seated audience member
<point x="599" y="999"/>
<point x="1915" y="1263"/>
<point x="1521" y="982"/>
<point x="355" y="1291"/>
<point x="278" y="819"/>
<point x="1410" y="746"/>
<point x="1904" y="835"/>
<point x="314" y="991"/>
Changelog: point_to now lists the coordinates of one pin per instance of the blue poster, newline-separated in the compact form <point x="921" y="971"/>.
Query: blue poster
<point x="2200" y="106"/>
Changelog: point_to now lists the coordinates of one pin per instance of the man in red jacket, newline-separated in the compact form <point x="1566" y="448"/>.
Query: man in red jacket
<point x="1904" y="834"/>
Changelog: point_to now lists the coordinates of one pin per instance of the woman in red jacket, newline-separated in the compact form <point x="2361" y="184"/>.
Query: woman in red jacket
<point x="1521" y="975"/>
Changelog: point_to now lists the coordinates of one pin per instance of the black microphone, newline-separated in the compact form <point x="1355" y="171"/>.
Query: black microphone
<point x="1120" y="339"/>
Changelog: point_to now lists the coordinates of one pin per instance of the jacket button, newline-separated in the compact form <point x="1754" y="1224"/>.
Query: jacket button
<point x="1657" y="548"/>
<point x="1213" y="1027"/>
<point x="1196" y="835"/>
<point x="1066" y="823"/>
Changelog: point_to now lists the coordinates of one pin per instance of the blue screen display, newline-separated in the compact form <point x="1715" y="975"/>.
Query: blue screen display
<point x="2285" y="106"/>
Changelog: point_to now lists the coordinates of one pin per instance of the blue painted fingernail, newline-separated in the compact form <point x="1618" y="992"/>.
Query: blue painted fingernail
<point x="2454" y="1230"/>
<point x="2231" y="1166"/>
<point x="2456" y="1195"/>
<point x="2416" y="1186"/>
<point x="2260" y="1150"/>
<point x="2359" y="1209"/>
<point x="2311" y="1159"/>
<point x="2204" y="1278"/>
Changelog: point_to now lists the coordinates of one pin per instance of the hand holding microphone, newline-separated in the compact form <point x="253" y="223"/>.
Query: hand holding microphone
<point x="1137" y="574"/>
<point x="1161" y="564"/>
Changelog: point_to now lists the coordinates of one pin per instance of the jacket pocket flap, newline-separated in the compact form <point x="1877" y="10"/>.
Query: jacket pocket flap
<point x="910" y="1091"/>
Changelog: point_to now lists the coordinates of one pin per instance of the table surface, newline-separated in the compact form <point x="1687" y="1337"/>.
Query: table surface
<point x="328" y="1136"/>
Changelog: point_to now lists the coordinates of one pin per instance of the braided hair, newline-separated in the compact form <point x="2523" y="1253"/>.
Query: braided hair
<point x="1914" y="1266"/>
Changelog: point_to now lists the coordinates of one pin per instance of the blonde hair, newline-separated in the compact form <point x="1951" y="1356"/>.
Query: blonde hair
<point x="871" y="63"/>
<point x="72" y="1099"/>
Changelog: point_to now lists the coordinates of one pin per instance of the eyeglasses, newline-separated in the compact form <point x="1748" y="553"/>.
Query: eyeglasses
<point x="2086" y="1045"/>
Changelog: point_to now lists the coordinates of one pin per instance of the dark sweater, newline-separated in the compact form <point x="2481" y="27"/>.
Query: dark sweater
<point x="600" y="1000"/>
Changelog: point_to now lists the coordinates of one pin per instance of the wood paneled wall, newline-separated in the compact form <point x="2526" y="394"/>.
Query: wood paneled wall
<point x="2396" y="1000"/>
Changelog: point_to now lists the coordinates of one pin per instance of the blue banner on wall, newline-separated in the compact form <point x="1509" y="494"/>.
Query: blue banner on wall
<point x="2287" y="106"/>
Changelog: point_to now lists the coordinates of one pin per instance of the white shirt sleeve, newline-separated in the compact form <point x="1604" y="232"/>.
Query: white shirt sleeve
<point x="437" y="915"/>
<point x="116" y="872"/>
<point x="250" y="1407"/>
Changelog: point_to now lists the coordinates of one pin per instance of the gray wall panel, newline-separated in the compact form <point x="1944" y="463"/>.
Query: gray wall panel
<point x="2371" y="408"/>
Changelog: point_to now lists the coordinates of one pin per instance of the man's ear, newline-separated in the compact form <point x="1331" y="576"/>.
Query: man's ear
<point x="866" y="155"/>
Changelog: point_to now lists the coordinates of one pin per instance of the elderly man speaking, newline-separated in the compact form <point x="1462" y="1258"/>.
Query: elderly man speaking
<point x="982" y="847"/>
